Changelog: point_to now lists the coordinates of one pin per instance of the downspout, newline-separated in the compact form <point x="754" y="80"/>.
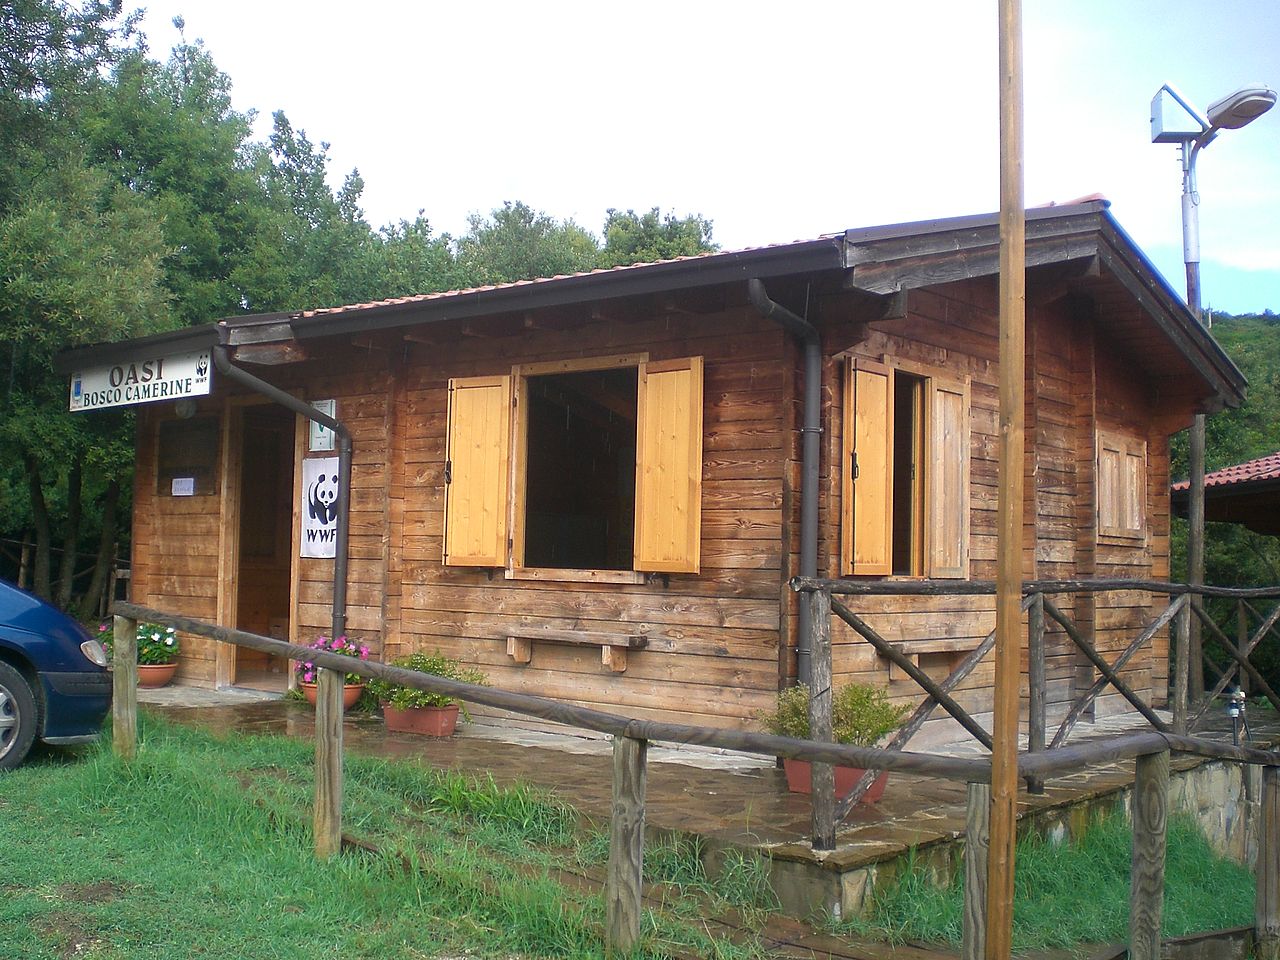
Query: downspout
<point x="222" y="360"/>
<point x="807" y="334"/>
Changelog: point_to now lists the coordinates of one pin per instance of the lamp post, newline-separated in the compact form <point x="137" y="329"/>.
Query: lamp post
<point x="1175" y="120"/>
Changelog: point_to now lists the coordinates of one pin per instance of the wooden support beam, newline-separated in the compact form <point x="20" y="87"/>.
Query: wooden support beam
<point x="820" y="699"/>
<point x="905" y="664"/>
<point x="1104" y="668"/>
<point x="1267" y="903"/>
<point x="1181" y="641"/>
<point x="1241" y="659"/>
<point x="1035" y="684"/>
<point x="520" y="649"/>
<point x="124" y="688"/>
<point x="1146" y="879"/>
<point x="327" y="816"/>
<point x="615" y="658"/>
<point x="921" y="713"/>
<point x="1082" y="702"/>
<point x="1011" y="484"/>
<point x="624" y="880"/>
<point x="977" y="843"/>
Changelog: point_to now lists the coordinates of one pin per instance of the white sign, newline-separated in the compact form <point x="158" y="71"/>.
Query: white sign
<point x="144" y="380"/>
<point x="183" y="487"/>
<point x="322" y="436"/>
<point x="319" y="507"/>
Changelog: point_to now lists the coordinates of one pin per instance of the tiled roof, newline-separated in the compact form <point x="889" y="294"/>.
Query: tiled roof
<point x="1255" y="471"/>
<point x="449" y="294"/>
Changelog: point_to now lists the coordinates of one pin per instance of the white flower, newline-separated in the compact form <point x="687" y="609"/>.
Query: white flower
<point x="169" y="642"/>
<point x="155" y="636"/>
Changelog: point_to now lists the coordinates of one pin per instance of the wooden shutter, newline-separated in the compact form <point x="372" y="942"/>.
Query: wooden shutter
<point x="1122" y="469"/>
<point x="868" y="469"/>
<point x="947" y="475"/>
<point x="669" y="466"/>
<point x="476" y="472"/>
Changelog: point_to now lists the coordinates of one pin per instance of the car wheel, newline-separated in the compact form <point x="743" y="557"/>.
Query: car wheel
<point x="17" y="717"/>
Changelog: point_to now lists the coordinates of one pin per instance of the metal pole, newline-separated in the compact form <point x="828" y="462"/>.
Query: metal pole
<point x="1195" y="503"/>
<point x="1004" y="754"/>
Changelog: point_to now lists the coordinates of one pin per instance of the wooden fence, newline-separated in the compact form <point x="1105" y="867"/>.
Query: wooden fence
<point x="631" y="738"/>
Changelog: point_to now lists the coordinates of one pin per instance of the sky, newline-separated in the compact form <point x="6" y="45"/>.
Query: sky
<point x="777" y="121"/>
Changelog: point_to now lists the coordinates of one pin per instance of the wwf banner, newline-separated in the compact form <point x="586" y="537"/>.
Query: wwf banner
<point x="319" y="507"/>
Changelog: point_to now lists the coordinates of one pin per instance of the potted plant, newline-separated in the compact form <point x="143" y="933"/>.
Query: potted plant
<point x="408" y="710"/>
<point x="157" y="652"/>
<point x="860" y="715"/>
<point x="308" y="674"/>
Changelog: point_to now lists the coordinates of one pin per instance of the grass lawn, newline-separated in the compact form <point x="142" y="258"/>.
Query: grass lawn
<point x="202" y="848"/>
<point x="1065" y="894"/>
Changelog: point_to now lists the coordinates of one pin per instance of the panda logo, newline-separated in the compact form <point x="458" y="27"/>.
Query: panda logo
<point x="322" y="499"/>
<point x="202" y="367"/>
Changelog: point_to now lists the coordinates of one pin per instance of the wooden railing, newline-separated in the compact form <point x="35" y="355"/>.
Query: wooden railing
<point x="631" y="738"/>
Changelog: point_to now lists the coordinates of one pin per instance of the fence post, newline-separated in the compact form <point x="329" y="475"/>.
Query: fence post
<point x="1267" y="903"/>
<point x="1181" y="666"/>
<point x="1146" y="878"/>
<point x="1242" y="641"/>
<point x="124" y="688"/>
<point x="327" y="819"/>
<point x="977" y="843"/>
<point x="823" y="774"/>
<point x="623" y="883"/>
<point x="1035" y="684"/>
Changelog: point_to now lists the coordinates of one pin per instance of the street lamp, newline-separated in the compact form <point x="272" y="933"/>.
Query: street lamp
<point x="1175" y="120"/>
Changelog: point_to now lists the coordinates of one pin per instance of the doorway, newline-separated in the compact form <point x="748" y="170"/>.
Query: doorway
<point x="265" y="542"/>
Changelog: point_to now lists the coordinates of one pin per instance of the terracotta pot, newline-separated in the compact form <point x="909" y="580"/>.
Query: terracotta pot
<point x="156" y="674"/>
<point x="800" y="780"/>
<point x="428" y="721"/>
<point x="350" y="693"/>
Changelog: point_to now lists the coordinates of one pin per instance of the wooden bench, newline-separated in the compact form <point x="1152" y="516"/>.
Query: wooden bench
<point x="613" y="646"/>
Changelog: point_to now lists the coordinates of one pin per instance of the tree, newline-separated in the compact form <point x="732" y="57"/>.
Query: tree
<point x="517" y="242"/>
<point x="631" y="238"/>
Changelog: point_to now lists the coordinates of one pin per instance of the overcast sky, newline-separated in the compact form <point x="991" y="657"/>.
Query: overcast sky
<point x="778" y="121"/>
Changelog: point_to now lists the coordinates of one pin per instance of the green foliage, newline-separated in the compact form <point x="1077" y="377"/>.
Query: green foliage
<point x="157" y="644"/>
<point x="517" y="242"/>
<point x="860" y="714"/>
<point x="642" y="238"/>
<point x="406" y="698"/>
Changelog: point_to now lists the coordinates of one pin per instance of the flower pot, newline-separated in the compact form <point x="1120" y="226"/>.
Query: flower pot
<point x="800" y="780"/>
<point x="350" y="693"/>
<point x="156" y="674"/>
<point x="427" y="721"/>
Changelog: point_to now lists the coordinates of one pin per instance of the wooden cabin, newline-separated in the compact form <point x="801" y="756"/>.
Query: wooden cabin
<point x="590" y="486"/>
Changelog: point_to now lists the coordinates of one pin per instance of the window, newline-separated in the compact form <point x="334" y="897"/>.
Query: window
<point x="905" y="473"/>
<point x="188" y="450"/>
<point x="1122" y="478"/>
<point x="600" y="469"/>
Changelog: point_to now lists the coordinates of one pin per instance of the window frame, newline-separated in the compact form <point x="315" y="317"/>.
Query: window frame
<point x="520" y="374"/>
<point x="936" y="380"/>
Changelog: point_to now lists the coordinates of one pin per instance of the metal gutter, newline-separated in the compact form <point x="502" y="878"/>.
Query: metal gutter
<point x="811" y="342"/>
<point x="222" y="360"/>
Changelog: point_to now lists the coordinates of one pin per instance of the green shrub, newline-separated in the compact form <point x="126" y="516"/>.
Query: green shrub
<point x="860" y="714"/>
<point x="406" y="698"/>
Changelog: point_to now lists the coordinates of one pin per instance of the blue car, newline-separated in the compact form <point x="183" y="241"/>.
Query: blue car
<point x="54" y="684"/>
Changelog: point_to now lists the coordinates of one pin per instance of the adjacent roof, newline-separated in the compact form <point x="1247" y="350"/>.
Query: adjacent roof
<point x="1081" y="241"/>
<point x="1247" y="493"/>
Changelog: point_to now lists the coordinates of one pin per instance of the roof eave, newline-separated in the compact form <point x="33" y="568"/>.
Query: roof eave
<point x="186" y="340"/>
<point x="825" y="254"/>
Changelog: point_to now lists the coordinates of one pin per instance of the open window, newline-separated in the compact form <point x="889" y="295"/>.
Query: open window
<point x="606" y="472"/>
<point x="1122" y="480"/>
<point x="905" y="473"/>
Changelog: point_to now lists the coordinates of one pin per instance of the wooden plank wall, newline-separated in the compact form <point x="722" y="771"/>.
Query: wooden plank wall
<point x="712" y="649"/>
<point x="175" y="544"/>
<point x="718" y="641"/>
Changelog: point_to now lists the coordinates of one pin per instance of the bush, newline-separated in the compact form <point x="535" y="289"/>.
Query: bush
<point x="406" y="698"/>
<point x="860" y="714"/>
